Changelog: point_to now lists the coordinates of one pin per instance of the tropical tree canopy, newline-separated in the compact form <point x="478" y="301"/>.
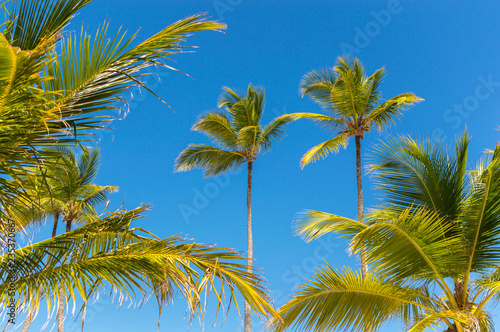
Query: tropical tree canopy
<point x="353" y="102"/>
<point x="432" y="247"/>
<point x="108" y="252"/>
<point x="55" y="86"/>
<point x="238" y="132"/>
<point x="64" y="187"/>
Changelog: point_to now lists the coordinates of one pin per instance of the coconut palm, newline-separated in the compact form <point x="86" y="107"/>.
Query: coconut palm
<point x="108" y="252"/>
<point x="241" y="139"/>
<point x="432" y="247"/>
<point x="66" y="190"/>
<point x="355" y="104"/>
<point x="55" y="85"/>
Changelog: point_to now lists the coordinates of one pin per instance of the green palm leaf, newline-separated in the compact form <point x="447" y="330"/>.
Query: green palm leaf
<point x="341" y="299"/>
<point x="314" y="224"/>
<point x="213" y="160"/>
<point x="320" y="151"/>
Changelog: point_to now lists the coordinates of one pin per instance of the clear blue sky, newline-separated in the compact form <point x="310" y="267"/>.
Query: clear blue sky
<point x="442" y="51"/>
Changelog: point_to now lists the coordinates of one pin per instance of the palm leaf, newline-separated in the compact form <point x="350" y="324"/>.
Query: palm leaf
<point x="341" y="299"/>
<point x="320" y="151"/>
<point x="213" y="160"/>
<point x="314" y="224"/>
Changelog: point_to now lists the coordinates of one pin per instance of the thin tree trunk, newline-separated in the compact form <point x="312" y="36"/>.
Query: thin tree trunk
<point x="248" y="310"/>
<point x="27" y="322"/>
<point x="56" y="221"/>
<point x="364" y="267"/>
<point x="61" y="304"/>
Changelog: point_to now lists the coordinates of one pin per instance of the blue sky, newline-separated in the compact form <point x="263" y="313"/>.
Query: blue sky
<point x="445" y="52"/>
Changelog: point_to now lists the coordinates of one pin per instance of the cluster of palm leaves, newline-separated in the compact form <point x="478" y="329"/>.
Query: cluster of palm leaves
<point x="429" y="254"/>
<point x="55" y="89"/>
<point x="432" y="247"/>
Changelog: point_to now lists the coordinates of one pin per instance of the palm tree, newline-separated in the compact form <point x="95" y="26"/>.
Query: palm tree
<point x="241" y="138"/>
<point x="68" y="191"/>
<point x="355" y="104"/>
<point x="55" y="86"/>
<point x="432" y="247"/>
<point x="107" y="251"/>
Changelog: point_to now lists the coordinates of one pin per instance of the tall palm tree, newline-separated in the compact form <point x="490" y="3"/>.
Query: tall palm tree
<point x="108" y="252"/>
<point x="71" y="194"/>
<point x="355" y="104"/>
<point x="241" y="138"/>
<point x="432" y="247"/>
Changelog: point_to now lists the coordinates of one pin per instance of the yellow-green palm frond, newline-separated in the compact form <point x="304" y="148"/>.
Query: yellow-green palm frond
<point x="312" y="224"/>
<point x="217" y="126"/>
<point x="384" y="115"/>
<point x="273" y="132"/>
<point x="324" y="121"/>
<point x="213" y="160"/>
<point x="342" y="299"/>
<point x="414" y="245"/>
<point x="320" y="151"/>
<point x="29" y="22"/>
<point x="109" y="252"/>
<point x="92" y="73"/>
<point x="348" y="95"/>
<point x="319" y="85"/>
<point x="419" y="173"/>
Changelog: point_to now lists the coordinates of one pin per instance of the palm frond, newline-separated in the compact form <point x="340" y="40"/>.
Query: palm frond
<point x="411" y="173"/>
<point x="319" y="84"/>
<point x="325" y="121"/>
<point x="110" y="252"/>
<point x="385" y="114"/>
<point x="29" y="22"/>
<point x="213" y="160"/>
<point x="342" y="299"/>
<point x="312" y="224"/>
<point x="412" y="246"/>
<point x="217" y="126"/>
<point x="320" y="151"/>
<point x="273" y="132"/>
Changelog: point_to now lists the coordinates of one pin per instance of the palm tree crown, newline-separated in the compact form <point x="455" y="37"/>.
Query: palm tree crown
<point x="237" y="131"/>
<point x="432" y="248"/>
<point x="354" y="101"/>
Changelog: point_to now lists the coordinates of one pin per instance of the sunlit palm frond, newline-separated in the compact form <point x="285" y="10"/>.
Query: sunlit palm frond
<point x="481" y="219"/>
<point x="319" y="84"/>
<point x="93" y="72"/>
<point x="384" y="115"/>
<point x="273" y="132"/>
<point x="110" y="252"/>
<point x="342" y="299"/>
<point x="414" y="245"/>
<point x="213" y="160"/>
<point x="29" y="22"/>
<point x="217" y="126"/>
<point x="312" y="224"/>
<point x="411" y="173"/>
<point x="325" y="121"/>
<point x="320" y="151"/>
<point x="348" y="94"/>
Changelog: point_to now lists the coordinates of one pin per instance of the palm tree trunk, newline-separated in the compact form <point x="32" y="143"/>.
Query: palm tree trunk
<point x="56" y="221"/>
<point x="61" y="304"/>
<point x="364" y="267"/>
<point x="27" y="322"/>
<point x="248" y="310"/>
